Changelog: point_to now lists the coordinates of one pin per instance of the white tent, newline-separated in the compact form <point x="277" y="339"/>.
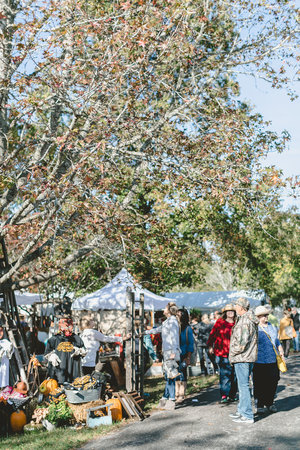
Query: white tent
<point x="113" y="296"/>
<point x="27" y="298"/>
<point x="215" y="300"/>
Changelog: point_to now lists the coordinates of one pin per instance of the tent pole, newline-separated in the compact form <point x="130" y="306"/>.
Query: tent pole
<point x="141" y="346"/>
<point x="129" y="342"/>
<point x="133" y="352"/>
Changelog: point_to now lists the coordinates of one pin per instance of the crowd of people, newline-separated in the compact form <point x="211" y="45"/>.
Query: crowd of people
<point x="240" y="345"/>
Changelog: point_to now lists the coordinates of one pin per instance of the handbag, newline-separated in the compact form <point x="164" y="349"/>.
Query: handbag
<point x="290" y="331"/>
<point x="170" y="368"/>
<point x="280" y="362"/>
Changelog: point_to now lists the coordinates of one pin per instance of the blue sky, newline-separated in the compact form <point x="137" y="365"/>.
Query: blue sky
<point x="276" y="106"/>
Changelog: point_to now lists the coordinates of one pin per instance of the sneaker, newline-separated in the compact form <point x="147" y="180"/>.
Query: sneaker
<point x="170" y="405"/>
<point x="272" y="409"/>
<point x="224" y="399"/>
<point x="260" y="410"/>
<point x="243" y="419"/>
<point x="162" y="402"/>
<point x="233" y="399"/>
<point x="235" y="415"/>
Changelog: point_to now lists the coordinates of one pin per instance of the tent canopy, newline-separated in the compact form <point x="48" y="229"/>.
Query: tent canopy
<point x="27" y="298"/>
<point x="113" y="295"/>
<point x="209" y="301"/>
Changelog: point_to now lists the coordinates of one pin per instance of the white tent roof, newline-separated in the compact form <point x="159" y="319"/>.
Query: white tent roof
<point x="27" y="298"/>
<point x="216" y="299"/>
<point x="113" y="295"/>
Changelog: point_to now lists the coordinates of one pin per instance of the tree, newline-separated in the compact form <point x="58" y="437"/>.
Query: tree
<point x="105" y="102"/>
<point x="260" y="252"/>
<point x="227" y="277"/>
<point x="275" y="245"/>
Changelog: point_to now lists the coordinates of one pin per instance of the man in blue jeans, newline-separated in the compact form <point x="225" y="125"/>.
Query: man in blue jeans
<point x="243" y="354"/>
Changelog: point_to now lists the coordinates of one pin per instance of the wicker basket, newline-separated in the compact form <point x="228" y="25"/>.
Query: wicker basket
<point x="89" y="395"/>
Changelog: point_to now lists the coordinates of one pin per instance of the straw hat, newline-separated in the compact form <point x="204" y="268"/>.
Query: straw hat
<point x="228" y="307"/>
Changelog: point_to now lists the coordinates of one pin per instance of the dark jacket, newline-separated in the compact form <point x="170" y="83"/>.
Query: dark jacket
<point x="63" y="346"/>
<point x="296" y="321"/>
<point x="201" y="332"/>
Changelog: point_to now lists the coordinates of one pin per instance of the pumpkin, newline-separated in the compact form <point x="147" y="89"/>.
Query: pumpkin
<point x="17" y="421"/>
<point x="52" y="385"/>
<point x="116" y="409"/>
<point x="47" y="386"/>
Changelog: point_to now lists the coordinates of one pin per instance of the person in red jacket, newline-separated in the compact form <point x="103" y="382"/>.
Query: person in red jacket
<point x="218" y="343"/>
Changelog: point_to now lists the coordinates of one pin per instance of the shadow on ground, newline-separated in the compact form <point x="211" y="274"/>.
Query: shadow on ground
<point x="209" y="427"/>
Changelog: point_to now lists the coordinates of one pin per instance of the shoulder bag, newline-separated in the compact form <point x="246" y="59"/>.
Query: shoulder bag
<point x="290" y="331"/>
<point x="280" y="362"/>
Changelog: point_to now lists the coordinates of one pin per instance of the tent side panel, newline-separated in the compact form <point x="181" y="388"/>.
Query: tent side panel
<point x="111" y="322"/>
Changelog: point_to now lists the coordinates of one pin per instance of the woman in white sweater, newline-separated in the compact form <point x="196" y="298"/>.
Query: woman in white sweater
<point x="91" y="339"/>
<point x="171" y="353"/>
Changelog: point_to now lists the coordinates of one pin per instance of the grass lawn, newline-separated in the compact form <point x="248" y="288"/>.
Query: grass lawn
<point x="59" y="439"/>
<point x="68" y="438"/>
<point x="155" y="386"/>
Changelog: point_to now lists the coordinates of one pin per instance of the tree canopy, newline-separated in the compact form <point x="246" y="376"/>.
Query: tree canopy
<point x="117" y="116"/>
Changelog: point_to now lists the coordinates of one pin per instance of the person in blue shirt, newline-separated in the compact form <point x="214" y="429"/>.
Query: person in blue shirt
<point x="186" y="348"/>
<point x="265" y="370"/>
<point x="148" y="345"/>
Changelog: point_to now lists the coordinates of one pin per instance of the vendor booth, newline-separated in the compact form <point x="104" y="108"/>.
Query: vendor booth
<point x="108" y="304"/>
<point x="119" y="308"/>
